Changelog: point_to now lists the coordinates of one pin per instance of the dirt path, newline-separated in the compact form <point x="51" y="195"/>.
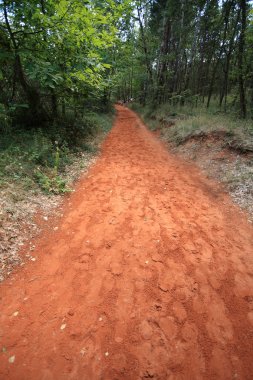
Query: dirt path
<point x="150" y="275"/>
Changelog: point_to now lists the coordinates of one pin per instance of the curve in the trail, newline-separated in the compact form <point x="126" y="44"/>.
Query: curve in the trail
<point x="148" y="276"/>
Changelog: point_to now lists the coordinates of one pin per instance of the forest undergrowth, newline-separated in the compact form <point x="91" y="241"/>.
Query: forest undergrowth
<point x="37" y="159"/>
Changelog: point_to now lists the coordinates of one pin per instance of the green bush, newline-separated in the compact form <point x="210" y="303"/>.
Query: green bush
<point x="38" y="157"/>
<point x="51" y="185"/>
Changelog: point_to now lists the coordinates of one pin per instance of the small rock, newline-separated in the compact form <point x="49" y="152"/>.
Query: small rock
<point x="157" y="258"/>
<point x="163" y="286"/>
<point x="63" y="326"/>
<point x="15" y="314"/>
<point x="12" y="359"/>
<point x="33" y="259"/>
<point x="45" y="218"/>
<point x="106" y="353"/>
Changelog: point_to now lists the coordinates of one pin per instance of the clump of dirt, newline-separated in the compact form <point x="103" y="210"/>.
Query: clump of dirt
<point x="223" y="161"/>
<point x="18" y="208"/>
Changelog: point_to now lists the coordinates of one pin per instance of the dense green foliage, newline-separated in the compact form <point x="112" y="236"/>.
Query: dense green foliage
<point x="190" y="53"/>
<point x="33" y="158"/>
<point x="55" y="55"/>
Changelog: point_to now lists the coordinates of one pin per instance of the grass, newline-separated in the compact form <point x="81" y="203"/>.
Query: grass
<point x="186" y="122"/>
<point x="37" y="159"/>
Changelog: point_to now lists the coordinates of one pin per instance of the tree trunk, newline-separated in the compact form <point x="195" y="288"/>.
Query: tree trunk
<point x="161" y="80"/>
<point x="227" y="64"/>
<point x="38" y="114"/>
<point x="227" y="9"/>
<point x="54" y="104"/>
<point x="145" y="46"/>
<point x="243" y="5"/>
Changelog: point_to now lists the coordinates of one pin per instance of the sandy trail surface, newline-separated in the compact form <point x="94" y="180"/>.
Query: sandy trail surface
<point x="149" y="275"/>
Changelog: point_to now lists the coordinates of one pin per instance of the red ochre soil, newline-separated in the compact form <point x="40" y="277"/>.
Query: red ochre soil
<point x="148" y="276"/>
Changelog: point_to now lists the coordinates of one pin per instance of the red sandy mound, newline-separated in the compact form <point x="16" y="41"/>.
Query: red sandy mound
<point x="148" y="276"/>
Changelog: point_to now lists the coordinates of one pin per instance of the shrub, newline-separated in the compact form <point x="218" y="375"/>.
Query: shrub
<point x="37" y="157"/>
<point x="53" y="183"/>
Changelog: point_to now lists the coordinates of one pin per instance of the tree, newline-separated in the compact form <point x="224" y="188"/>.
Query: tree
<point x="190" y="50"/>
<point x="243" y="7"/>
<point x="58" y="52"/>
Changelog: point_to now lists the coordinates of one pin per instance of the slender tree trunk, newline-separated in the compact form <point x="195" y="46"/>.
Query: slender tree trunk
<point x="190" y="66"/>
<point x="227" y="64"/>
<point x="163" y="59"/>
<point x="54" y="104"/>
<point x="251" y="96"/>
<point x="63" y="107"/>
<point x="243" y="5"/>
<point x="145" y="45"/>
<point x="227" y="10"/>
